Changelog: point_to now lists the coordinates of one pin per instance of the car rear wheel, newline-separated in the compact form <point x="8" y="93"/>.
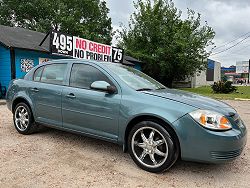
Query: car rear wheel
<point x="151" y="147"/>
<point x="23" y="119"/>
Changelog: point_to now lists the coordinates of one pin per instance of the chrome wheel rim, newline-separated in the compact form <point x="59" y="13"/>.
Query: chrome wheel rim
<point x="149" y="147"/>
<point x="21" y="118"/>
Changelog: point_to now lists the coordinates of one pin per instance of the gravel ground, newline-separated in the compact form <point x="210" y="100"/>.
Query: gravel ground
<point x="58" y="159"/>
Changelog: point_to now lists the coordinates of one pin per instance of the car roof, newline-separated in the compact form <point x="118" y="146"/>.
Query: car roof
<point x="81" y="61"/>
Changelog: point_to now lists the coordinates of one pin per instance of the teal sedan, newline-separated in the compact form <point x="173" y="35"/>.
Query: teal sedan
<point x="109" y="101"/>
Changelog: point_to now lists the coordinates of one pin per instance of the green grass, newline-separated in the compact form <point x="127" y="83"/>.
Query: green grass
<point x="242" y="92"/>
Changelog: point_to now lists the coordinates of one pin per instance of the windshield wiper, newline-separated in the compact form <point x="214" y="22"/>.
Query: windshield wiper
<point x="144" y="89"/>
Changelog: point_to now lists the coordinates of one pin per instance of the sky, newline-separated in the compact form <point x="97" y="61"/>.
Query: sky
<point x="230" y="20"/>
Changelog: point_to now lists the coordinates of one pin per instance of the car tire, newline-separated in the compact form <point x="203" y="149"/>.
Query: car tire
<point x="152" y="147"/>
<point x="24" y="120"/>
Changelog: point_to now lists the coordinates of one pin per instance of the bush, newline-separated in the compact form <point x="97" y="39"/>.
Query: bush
<point x="223" y="87"/>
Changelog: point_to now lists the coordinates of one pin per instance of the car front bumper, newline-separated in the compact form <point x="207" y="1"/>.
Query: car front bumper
<point x="203" y="145"/>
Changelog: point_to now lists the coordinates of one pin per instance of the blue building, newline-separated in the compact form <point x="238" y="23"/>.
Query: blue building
<point x="232" y="68"/>
<point x="21" y="50"/>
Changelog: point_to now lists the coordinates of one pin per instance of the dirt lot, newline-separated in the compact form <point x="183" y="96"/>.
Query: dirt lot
<point x="59" y="159"/>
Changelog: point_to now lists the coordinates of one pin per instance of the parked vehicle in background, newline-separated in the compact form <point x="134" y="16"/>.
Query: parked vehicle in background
<point x="116" y="103"/>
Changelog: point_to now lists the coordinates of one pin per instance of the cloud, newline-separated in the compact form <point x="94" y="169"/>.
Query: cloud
<point x="120" y="11"/>
<point x="233" y="3"/>
<point x="228" y="18"/>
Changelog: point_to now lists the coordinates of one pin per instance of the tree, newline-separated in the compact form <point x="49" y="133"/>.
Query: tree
<point x="172" y="48"/>
<point x="85" y="18"/>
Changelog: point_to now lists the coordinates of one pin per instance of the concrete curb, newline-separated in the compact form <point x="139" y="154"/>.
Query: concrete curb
<point x="2" y="102"/>
<point x="241" y="99"/>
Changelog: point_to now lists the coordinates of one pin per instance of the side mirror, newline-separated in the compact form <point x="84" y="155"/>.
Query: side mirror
<point x="103" y="86"/>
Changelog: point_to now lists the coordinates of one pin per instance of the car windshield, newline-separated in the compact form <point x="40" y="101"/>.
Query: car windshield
<point x="134" y="78"/>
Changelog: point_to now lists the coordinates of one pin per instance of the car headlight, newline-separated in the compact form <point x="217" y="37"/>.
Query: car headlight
<point x="211" y="120"/>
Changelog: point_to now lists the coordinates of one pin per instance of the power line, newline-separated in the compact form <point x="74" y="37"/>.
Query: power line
<point x="226" y="43"/>
<point x="231" y="46"/>
<point x="242" y="49"/>
<point x="237" y="50"/>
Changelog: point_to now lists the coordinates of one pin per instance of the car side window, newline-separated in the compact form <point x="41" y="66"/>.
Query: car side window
<point x="82" y="76"/>
<point x="54" y="73"/>
<point x="38" y="74"/>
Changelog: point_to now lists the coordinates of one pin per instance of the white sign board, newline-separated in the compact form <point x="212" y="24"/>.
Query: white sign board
<point x="242" y="67"/>
<point x="75" y="47"/>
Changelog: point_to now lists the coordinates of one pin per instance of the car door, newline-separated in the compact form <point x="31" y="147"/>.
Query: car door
<point x="87" y="110"/>
<point x="46" y="93"/>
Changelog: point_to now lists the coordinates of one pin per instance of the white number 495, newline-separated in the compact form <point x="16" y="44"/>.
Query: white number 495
<point x="62" y="42"/>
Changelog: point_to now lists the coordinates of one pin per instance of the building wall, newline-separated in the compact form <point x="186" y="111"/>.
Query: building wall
<point x="199" y="79"/>
<point x="217" y="73"/>
<point x="209" y="76"/>
<point x="22" y="55"/>
<point x="5" y="66"/>
<point x="210" y="70"/>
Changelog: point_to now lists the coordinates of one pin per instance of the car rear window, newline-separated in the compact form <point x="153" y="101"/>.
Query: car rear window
<point x="54" y="73"/>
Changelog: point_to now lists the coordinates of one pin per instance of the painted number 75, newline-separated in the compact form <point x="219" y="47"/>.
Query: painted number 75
<point x="117" y="54"/>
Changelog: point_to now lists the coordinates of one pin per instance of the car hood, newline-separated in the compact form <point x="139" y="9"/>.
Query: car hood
<point x="191" y="99"/>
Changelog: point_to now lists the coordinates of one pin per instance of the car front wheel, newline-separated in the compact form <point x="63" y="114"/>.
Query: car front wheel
<point x="151" y="147"/>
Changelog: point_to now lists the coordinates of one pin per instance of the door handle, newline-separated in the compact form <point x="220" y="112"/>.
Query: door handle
<point x="71" y="95"/>
<point x="34" y="89"/>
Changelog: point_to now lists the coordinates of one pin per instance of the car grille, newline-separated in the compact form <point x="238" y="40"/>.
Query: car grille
<point x="223" y="155"/>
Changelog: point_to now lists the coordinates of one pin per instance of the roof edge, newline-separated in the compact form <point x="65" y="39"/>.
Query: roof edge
<point x="6" y="46"/>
